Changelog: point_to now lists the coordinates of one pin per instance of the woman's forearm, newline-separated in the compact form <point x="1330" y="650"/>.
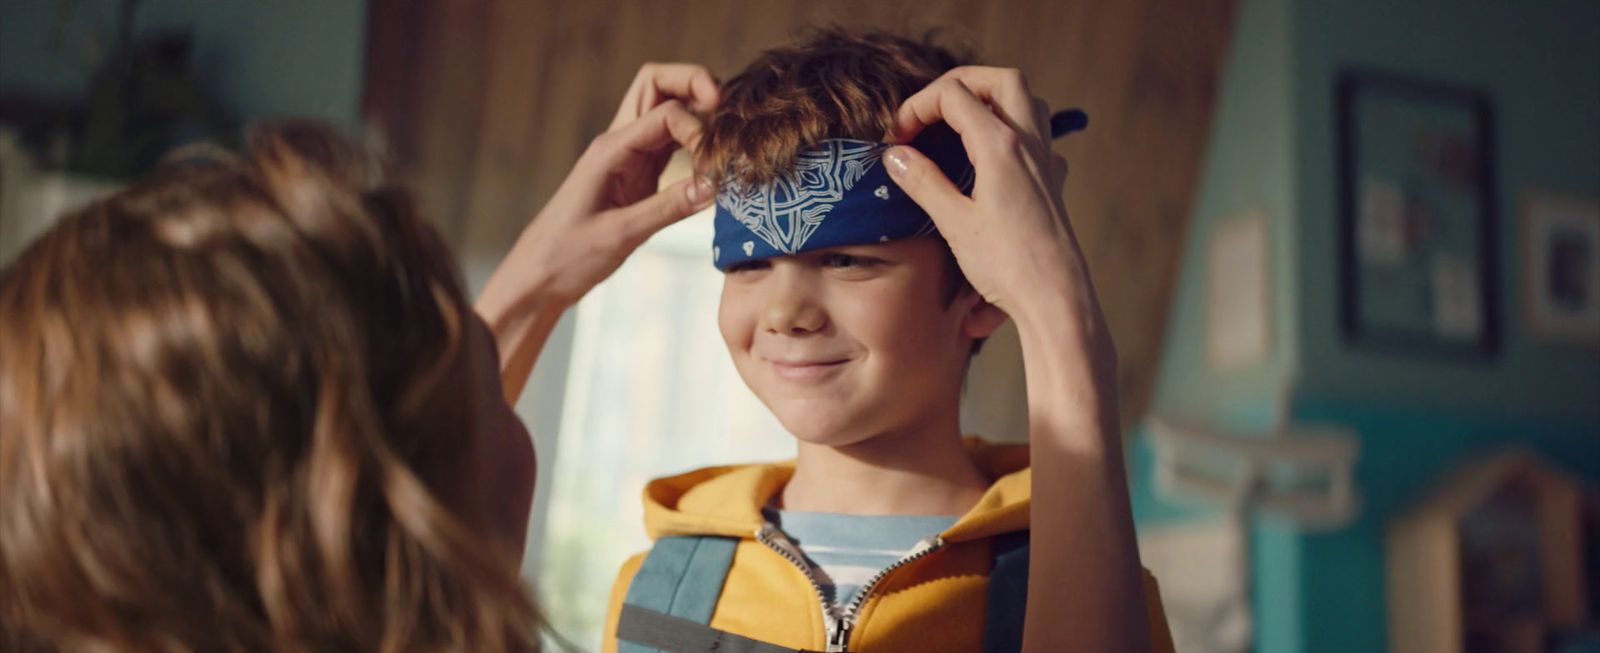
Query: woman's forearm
<point x="521" y="316"/>
<point x="1086" y="583"/>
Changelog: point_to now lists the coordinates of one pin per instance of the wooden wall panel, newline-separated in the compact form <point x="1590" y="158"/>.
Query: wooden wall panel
<point x="486" y="103"/>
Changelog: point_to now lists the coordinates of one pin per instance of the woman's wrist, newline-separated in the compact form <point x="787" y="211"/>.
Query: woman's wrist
<point x="1070" y="363"/>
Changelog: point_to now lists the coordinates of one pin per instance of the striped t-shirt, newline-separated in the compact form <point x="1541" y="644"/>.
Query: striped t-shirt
<point x="848" y="550"/>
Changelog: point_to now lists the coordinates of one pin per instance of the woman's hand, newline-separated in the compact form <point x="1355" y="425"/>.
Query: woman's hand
<point x="1012" y="237"/>
<point x="607" y="206"/>
<point x="1013" y="242"/>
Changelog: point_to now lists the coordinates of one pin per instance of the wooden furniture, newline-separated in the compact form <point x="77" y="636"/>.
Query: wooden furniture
<point x="1491" y="560"/>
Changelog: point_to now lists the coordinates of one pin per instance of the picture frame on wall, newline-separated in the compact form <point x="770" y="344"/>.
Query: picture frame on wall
<point x="1418" y="267"/>
<point x="1561" y="267"/>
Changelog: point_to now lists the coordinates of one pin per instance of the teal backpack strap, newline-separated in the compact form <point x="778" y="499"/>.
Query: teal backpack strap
<point x="681" y="577"/>
<point x="1008" y="594"/>
<point x="646" y="628"/>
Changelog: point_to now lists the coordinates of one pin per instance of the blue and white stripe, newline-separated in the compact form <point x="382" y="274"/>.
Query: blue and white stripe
<point x="846" y="551"/>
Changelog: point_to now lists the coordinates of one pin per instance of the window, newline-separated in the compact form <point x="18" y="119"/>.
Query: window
<point x="650" y="391"/>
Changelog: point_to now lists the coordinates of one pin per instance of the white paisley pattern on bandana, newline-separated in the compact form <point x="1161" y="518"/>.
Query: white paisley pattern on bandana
<point x="786" y="212"/>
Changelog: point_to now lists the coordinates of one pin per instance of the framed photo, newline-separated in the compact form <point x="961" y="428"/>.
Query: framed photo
<point x="1418" y="266"/>
<point x="1561" y="267"/>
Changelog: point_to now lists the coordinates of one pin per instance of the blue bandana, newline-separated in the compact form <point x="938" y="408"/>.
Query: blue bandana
<point x="838" y="193"/>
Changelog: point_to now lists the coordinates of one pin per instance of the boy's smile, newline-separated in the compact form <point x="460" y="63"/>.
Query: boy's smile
<point x="806" y="371"/>
<point x="846" y="343"/>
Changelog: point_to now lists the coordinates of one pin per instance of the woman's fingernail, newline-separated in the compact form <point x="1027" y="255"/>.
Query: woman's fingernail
<point x="897" y="160"/>
<point x="699" y="191"/>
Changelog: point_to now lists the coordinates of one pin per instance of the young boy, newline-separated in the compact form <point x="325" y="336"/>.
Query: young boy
<point x="848" y="315"/>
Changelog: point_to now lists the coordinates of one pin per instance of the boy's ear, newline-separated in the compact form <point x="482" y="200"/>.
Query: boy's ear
<point x="983" y="319"/>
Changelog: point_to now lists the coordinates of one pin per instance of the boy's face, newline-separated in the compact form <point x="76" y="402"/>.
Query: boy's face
<point x="847" y="343"/>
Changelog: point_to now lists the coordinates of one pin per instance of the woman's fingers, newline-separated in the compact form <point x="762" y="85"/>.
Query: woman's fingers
<point x="926" y="185"/>
<point x="642" y="219"/>
<point x="948" y="100"/>
<point x="1002" y="92"/>
<point x="662" y="129"/>
<point x="1006" y="91"/>
<point x="691" y="84"/>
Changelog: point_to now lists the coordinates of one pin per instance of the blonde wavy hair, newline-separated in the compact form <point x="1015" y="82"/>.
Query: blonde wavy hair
<point x="232" y="407"/>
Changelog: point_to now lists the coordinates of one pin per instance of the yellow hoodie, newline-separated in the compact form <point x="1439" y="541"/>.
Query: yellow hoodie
<point x="935" y="604"/>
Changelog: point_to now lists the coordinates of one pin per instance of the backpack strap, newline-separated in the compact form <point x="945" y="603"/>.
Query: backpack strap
<point x="1008" y="593"/>
<point x="643" y="627"/>
<point x="673" y="595"/>
<point x="681" y="577"/>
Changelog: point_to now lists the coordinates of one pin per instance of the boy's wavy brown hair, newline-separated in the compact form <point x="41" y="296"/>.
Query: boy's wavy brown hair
<point x="232" y="406"/>
<point x="831" y="84"/>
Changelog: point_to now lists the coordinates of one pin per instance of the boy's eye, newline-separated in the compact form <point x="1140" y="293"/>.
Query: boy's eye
<point x="836" y="260"/>
<point x="748" y="266"/>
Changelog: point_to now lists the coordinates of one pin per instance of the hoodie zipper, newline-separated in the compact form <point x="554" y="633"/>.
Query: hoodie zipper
<point x="839" y="627"/>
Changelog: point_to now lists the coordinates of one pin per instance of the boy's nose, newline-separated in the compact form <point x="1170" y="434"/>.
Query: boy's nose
<point x="791" y="309"/>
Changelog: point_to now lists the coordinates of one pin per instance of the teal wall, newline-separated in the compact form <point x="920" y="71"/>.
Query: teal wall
<point x="286" y="57"/>
<point x="1341" y="602"/>
<point x="1539" y="64"/>
<point x="1273" y="149"/>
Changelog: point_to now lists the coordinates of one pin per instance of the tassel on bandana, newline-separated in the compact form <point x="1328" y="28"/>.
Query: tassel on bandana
<point x="839" y="193"/>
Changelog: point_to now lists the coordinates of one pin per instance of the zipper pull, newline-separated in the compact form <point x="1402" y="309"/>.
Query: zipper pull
<point x="838" y="635"/>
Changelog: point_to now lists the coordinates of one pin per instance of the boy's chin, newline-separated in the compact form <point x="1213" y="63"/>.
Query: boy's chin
<point x="818" y="430"/>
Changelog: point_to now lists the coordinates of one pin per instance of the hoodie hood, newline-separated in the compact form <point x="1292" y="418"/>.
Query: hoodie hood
<point x="727" y="501"/>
